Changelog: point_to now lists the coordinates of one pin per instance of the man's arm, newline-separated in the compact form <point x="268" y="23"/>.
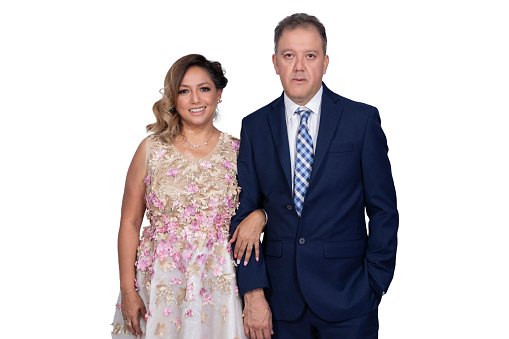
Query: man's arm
<point x="254" y="275"/>
<point x="380" y="200"/>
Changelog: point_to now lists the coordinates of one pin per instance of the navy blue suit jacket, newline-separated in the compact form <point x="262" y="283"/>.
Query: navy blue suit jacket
<point x="325" y="258"/>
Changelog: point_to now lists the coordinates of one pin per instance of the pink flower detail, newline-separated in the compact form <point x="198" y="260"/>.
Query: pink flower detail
<point x="160" y="153"/>
<point x="176" y="281"/>
<point x="227" y="164"/>
<point x="159" y="204"/>
<point x="189" y="313"/>
<point x="147" y="180"/>
<point x="118" y="306"/>
<point x="202" y="291"/>
<point x="192" y="188"/>
<point x="201" y="259"/>
<point x="206" y="165"/>
<point x="228" y="178"/>
<point x="213" y="202"/>
<point x="172" y="173"/>
<point x="178" y="323"/>
<point x="236" y="144"/>
<point x="187" y="255"/>
<point x="208" y="300"/>
<point x="217" y="271"/>
<point x="167" y="311"/>
<point x="221" y="260"/>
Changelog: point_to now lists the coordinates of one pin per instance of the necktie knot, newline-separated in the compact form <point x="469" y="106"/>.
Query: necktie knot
<point x="304" y="113"/>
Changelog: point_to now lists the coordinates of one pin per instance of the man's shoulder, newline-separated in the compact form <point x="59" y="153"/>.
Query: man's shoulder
<point x="349" y="104"/>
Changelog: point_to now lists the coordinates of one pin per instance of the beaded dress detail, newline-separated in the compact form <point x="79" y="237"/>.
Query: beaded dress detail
<point x="184" y="269"/>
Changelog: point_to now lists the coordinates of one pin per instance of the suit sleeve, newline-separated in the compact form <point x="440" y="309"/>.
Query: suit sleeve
<point x="254" y="275"/>
<point x="380" y="201"/>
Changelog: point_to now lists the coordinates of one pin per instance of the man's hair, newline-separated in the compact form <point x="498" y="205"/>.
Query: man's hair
<point x="300" y="20"/>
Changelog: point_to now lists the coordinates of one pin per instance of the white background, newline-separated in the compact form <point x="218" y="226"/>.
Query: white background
<point x="77" y="83"/>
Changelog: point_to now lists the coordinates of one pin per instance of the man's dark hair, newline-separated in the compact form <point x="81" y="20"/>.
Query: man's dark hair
<point x="300" y="20"/>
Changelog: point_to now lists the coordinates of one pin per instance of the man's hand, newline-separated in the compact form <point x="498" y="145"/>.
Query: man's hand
<point x="257" y="315"/>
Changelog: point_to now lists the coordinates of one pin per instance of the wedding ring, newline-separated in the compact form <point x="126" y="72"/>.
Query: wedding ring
<point x="127" y="323"/>
<point x="251" y="247"/>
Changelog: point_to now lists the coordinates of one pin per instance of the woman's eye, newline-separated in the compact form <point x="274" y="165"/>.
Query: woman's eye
<point x="183" y="91"/>
<point x="205" y="89"/>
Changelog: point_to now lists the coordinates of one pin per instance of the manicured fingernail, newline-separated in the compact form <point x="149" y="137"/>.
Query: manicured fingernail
<point x="235" y="256"/>
<point x="238" y="261"/>
<point x="245" y="263"/>
<point x="257" y="259"/>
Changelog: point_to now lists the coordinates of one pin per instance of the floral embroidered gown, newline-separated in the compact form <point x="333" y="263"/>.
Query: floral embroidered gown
<point x="185" y="272"/>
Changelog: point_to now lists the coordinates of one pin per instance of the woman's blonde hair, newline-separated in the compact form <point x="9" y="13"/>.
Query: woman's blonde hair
<point x="168" y="124"/>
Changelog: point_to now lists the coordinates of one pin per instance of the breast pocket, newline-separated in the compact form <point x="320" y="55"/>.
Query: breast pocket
<point x="341" y="147"/>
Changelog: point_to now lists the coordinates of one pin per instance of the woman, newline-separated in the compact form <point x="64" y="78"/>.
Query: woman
<point x="179" y="281"/>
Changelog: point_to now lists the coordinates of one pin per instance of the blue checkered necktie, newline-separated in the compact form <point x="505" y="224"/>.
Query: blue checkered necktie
<point x="303" y="159"/>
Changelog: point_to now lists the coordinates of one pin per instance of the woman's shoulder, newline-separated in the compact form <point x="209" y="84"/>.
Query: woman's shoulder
<point x="232" y="141"/>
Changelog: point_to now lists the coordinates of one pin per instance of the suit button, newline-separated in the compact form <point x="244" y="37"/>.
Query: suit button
<point x="302" y="241"/>
<point x="289" y="207"/>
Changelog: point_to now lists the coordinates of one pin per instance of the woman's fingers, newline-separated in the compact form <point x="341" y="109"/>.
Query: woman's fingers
<point x="234" y="236"/>
<point x="249" y="251"/>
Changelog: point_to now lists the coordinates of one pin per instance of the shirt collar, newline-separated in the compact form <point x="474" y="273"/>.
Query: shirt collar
<point x="313" y="104"/>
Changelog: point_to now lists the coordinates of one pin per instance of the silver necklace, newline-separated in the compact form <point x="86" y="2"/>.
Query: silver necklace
<point x="198" y="146"/>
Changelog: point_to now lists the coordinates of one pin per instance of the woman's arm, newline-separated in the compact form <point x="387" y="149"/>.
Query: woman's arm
<point x="247" y="235"/>
<point x="133" y="208"/>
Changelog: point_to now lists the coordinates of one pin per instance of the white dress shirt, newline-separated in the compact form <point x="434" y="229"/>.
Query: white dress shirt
<point x="293" y="122"/>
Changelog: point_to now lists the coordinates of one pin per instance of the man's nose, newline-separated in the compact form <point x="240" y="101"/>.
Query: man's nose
<point x="299" y="64"/>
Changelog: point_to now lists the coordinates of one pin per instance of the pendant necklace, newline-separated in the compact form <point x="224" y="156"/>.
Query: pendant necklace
<point x="189" y="154"/>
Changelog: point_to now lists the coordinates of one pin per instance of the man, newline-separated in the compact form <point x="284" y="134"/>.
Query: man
<point x="315" y="161"/>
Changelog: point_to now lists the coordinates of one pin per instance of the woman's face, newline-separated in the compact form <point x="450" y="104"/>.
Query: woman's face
<point x="197" y="98"/>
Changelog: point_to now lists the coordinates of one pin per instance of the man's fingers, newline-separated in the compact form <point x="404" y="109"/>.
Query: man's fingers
<point x="257" y="251"/>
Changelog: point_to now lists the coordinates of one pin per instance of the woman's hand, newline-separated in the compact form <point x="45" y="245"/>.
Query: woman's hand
<point x="132" y="308"/>
<point x="247" y="235"/>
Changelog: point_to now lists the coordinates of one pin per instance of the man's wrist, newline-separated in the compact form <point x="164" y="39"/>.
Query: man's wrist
<point x="254" y="294"/>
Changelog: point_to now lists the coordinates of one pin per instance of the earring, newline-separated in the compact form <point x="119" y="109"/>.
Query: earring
<point x="219" y="101"/>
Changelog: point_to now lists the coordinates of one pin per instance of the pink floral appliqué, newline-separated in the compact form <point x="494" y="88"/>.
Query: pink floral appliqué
<point x="189" y="313"/>
<point x="236" y="144"/>
<point x="228" y="178"/>
<point x="192" y="188"/>
<point x="172" y="173"/>
<point x="217" y="271"/>
<point x="208" y="300"/>
<point x="221" y="260"/>
<point x="147" y="180"/>
<point x="160" y="153"/>
<point x="227" y="164"/>
<point x="178" y="324"/>
<point x="206" y="165"/>
<point x="167" y="311"/>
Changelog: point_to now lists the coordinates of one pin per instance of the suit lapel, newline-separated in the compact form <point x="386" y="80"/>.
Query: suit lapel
<point x="277" y="125"/>
<point x="330" y="115"/>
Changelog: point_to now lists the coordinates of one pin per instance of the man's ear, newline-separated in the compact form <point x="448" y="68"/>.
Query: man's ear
<point x="274" y="61"/>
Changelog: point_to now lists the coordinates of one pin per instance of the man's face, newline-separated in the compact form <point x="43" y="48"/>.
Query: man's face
<point x="300" y="63"/>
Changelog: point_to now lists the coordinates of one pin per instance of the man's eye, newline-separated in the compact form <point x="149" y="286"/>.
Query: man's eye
<point x="288" y="55"/>
<point x="311" y="56"/>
